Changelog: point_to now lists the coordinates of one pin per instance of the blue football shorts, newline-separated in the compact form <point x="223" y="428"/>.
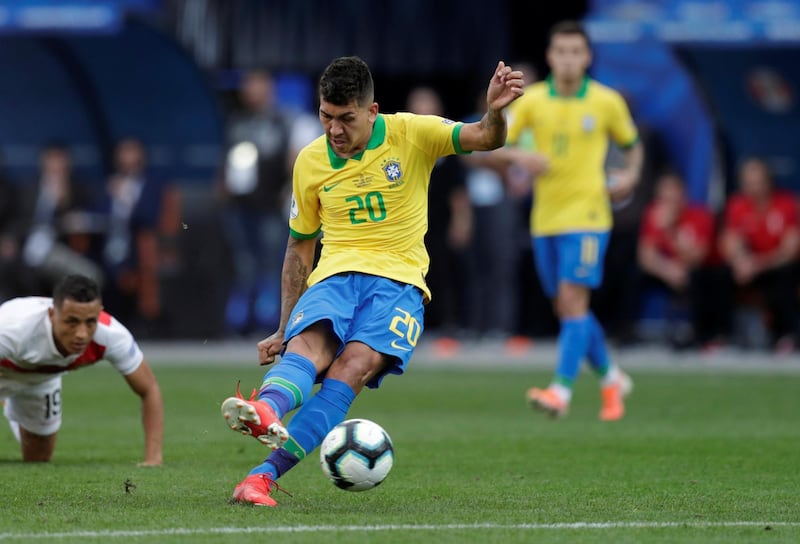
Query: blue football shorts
<point x="384" y="314"/>
<point x="576" y="257"/>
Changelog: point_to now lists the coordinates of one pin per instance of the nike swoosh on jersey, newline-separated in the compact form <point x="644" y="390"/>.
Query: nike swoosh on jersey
<point x="327" y="188"/>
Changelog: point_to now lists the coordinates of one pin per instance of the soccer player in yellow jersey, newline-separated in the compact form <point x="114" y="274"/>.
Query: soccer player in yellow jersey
<point x="357" y="315"/>
<point x="572" y="118"/>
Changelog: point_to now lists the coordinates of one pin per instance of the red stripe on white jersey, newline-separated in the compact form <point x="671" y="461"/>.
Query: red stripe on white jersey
<point x="94" y="352"/>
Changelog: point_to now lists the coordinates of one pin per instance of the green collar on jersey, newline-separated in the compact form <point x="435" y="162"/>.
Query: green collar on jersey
<point x="551" y="85"/>
<point x="377" y="138"/>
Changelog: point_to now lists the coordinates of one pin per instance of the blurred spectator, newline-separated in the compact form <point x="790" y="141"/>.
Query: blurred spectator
<point x="760" y="242"/>
<point x="677" y="252"/>
<point x="449" y="229"/>
<point x="134" y="204"/>
<point x="52" y="225"/>
<point x="255" y="190"/>
<point x="493" y="255"/>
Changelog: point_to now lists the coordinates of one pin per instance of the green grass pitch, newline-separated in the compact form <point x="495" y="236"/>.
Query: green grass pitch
<point x="701" y="457"/>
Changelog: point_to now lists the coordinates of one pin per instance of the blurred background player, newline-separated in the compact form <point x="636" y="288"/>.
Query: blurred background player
<point x="357" y="315"/>
<point x="678" y="252"/>
<point x="760" y="243"/>
<point x="42" y="338"/>
<point x="572" y="118"/>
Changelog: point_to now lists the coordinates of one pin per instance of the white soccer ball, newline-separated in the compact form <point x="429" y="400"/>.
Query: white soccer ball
<point x="356" y="455"/>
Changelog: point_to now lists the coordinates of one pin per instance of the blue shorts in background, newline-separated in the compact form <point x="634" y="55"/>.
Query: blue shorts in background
<point x="384" y="314"/>
<point x="576" y="257"/>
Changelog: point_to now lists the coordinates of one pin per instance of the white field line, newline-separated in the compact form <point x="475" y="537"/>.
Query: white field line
<point x="177" y="531"/>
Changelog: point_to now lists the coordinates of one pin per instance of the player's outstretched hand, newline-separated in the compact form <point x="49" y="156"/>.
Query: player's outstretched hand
<point x="269" y="348"/>
<point x="504" y="87"/>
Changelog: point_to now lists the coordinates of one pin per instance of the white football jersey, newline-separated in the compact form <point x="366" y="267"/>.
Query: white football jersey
<point x="28" y="352"/>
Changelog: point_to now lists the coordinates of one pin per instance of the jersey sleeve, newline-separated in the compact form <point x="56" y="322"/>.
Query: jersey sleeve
<point x="304" y="217"/>
<point x="122" y="351"/>
<point x="8" y="347"/>
<point x="11" y="341"/>
<point x="621" y="126"/>
<point x="438" y="136"/>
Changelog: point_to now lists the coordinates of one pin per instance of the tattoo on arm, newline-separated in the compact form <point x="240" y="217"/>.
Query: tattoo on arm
<point x="493" y="124"/>
<point x="294" y="279"/>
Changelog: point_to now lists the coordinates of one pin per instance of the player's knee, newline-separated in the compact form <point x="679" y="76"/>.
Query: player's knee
<point x="316" y="343"/>
<point x="356" y="366"/>
<point x="572" y="301"/>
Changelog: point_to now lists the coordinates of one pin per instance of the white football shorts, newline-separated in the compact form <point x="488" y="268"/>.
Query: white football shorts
<point x="35" y="407"/>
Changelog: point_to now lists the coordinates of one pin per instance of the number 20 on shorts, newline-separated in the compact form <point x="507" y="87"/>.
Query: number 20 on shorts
<point x="406" y="327"/>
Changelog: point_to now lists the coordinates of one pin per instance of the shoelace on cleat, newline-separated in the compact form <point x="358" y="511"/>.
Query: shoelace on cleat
<point x="253" y="395"/>
<point x="270" y="482"/>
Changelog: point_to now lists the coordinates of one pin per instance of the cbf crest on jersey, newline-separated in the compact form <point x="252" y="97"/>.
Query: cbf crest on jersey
<point x="587" y="123"/>
<point x="391" y="169"/>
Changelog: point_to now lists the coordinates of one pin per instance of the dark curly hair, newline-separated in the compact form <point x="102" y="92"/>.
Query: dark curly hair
<point x="347" y="79"/>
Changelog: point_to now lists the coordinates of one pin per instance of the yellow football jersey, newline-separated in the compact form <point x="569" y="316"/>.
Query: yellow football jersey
<point x="372" y="209"/>
<point x="574" y="133"/>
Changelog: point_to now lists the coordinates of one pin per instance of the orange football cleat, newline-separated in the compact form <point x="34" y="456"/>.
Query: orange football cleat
<point x="256" y="418"/>
<point x="547" y="401"/>
<point x="613" y="408"/>
<point x="255" y="489"/>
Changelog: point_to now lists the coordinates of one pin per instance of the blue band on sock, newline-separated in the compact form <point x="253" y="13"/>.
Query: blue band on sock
<point x="282" y="461"/>
<point x="288" y="384"/>
<point x="276" y="465"/>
